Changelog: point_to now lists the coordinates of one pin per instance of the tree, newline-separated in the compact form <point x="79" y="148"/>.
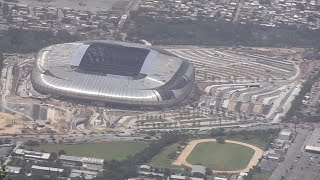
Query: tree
<point x="6" y="141"/>
<point x="3" y="173"/>
<point x="220" y="140"/>
<point x="61" y="152"/>
<point x="53" y="156"/>
<point x="5" y="9"/>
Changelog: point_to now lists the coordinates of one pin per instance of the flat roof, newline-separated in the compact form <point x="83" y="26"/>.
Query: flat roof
<point x="313" y="143"/>
<point x="32" y="154"/>
<point x="285" y="132"/>
<point x="52" y="169"/>
<point x="82" y="159"/>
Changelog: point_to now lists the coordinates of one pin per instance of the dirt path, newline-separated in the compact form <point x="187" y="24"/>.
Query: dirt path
<point x="182" y="159"/>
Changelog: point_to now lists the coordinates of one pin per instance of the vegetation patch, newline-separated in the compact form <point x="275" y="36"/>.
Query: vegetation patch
<point x="217" y="156"/>
<point x="165" y="157"/>
<point x="115" y="150"/>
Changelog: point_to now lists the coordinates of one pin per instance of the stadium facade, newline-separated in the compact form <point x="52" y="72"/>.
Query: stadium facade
<point x="113" y="72"/>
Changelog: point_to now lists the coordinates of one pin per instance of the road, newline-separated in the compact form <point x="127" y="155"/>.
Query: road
<point x="8" y="86"/>
<point x="291" y="154"/>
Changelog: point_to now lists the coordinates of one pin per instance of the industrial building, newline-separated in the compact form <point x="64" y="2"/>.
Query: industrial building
<point x="84" y="162"/>
<point x="107" y="72"/>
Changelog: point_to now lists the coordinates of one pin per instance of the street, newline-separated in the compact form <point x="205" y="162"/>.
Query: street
<point x="295" y="148"/>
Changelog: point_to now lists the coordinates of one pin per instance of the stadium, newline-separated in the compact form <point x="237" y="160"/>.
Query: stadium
<point x="110" y="72"/>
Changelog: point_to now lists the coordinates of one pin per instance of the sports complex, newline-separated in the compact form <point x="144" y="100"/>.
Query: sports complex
<point x="113" y="72"/>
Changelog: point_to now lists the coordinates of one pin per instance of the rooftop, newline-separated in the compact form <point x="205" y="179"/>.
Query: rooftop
<point x="32" y="154"/>
<point x="46" y="168"/>
<point x="82" y="159"/>
<point x="313" y="143"/>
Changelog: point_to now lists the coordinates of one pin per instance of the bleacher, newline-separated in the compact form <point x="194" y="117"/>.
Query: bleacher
<point x="113" y="59"/>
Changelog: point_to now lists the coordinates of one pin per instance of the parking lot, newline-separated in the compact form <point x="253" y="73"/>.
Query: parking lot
<point x="305" y="167"/>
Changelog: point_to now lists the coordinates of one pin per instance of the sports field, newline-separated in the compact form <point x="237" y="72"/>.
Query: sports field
<point x="115" y="150"/>
<point x="223" y="157"/>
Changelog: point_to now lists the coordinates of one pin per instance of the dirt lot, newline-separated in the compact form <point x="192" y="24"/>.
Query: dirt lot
<point x="12" y="124"/>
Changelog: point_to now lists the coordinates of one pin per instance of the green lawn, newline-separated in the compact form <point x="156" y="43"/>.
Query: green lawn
<point x="264" y="175"/>
<point x="221" y="156"/>
<point x="115" y="150"/>
<point x="162" y="159"/>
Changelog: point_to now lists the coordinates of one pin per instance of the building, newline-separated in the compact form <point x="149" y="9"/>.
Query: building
<point x="198" y="171"/>
<point x="285" y="135"/>
<point x="42" y="170"/>
<point x="32" y="154"/>
<point x="313" y="144"/>
<point x="107" y="72"/>
<point x="13" y="169"/>
<point x="87" y="174"/>
<point x="145" y="168"/>
<point x="84" y="162"/>
<point x="177" y="177"/>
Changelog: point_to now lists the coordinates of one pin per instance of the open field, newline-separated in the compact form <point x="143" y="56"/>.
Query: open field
<point x="223" y="157"/>
<point x="116" y="150"/>
<point x="162" y="159"/>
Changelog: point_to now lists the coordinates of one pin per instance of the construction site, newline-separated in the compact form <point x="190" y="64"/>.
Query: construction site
<point x="235" y="87"/>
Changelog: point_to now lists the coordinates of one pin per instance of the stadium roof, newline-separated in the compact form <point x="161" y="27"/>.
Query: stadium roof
<point x="114" y="72"/>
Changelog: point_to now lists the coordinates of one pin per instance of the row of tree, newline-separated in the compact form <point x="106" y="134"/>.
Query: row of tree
<point x="16" y="40"/>
<point x="295" y="109"/>
<point x="215" y="33"/>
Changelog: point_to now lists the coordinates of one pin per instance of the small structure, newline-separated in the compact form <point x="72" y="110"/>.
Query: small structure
<point x="278" y="144"/>
<point x="13" y="169"/>
<point x="198" y="171"/>
<point x="177" y="177"/>
<point x="145" y="168"/>
<point x="285" y="135"/>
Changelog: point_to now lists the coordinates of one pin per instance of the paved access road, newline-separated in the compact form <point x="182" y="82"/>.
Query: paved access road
<point x="291" y="154"/>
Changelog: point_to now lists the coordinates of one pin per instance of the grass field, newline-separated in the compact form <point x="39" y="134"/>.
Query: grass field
<point x="224" y="157"/>
<point x="115" y="150"/>
<point x="162" y="159"/>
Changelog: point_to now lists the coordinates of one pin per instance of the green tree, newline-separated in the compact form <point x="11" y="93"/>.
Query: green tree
<point x="5" y="9"/>
<point x="53" y="156"/>
<point x="62" y="152"/>
<point x="220" y="140"/>
<point x="3" y="173"/>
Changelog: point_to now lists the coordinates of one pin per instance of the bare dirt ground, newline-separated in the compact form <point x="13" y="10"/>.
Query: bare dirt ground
<point x="182" y="159"/>
<point x="12" y="124"/>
